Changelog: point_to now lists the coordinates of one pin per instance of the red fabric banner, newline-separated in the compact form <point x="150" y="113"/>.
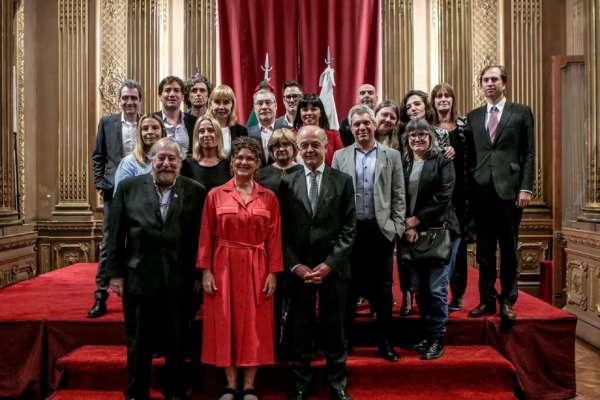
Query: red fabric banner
<point x="247" y="31"/>
<point x="351" y="29"/>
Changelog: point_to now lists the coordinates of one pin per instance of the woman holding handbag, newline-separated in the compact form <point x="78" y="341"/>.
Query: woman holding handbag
<point x="432" y="231"/>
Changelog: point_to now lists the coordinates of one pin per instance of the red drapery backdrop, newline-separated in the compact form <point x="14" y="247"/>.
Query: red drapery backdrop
<point x="351" y="29"/>
<point x="247" y="31"/>
<point x="250" y="29"/>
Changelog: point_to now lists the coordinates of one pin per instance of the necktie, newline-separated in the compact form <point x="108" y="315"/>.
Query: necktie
<point x="493" y="123"/>
<point x="313" y="194"/>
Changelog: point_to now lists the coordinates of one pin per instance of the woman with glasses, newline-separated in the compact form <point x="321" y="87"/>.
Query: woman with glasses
<point x="311" y="111"/>
<point x="429" y="179"/>
<point x="222" y="106"/>
<point x="283" y="149"/>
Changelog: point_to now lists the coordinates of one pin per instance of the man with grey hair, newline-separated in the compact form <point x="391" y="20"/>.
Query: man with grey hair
<point x="265" y="108"/>
<point x="152" y="249"/>
<point x="116" y="139"/>
<point x="366" y="95"/>
<point x="197" y="92"/>
<point x="376" y="171"/>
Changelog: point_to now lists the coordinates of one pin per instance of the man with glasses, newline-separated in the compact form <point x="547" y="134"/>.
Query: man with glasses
<point x="366" y="95"/>
<point x="265" y="108"/>
<point x="292" y="92"/>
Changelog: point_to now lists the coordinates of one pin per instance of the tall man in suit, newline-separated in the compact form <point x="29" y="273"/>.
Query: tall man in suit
<point x="116" y="139"/>
<point x="318" y="225"/>
<point x="179" y="125"/>
<point x="152" y="249"/>
<point x="366" y="95"/>
<point x="292" y="92"/>
<point x="376" y="171"/>
<point x="265" y="108"/>
<point x="502" y="178"/>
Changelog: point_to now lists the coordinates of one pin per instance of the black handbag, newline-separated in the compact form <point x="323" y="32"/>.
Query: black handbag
<point x="433" y="247"/>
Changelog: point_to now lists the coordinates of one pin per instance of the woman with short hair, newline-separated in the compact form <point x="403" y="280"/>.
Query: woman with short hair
<point x="283" y="149"/>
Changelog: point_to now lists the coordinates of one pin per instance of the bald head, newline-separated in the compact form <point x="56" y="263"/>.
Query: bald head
<point x="312" y="146"/>
<point x="367" y="95"/>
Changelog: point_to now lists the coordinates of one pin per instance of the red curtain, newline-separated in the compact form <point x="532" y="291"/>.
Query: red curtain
<point x="247" y="31"/>
<point x="351" y="29"/>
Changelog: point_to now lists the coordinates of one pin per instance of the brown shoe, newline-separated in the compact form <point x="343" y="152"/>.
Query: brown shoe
<point x="507" y="313"/>
<point x="482" y="310"/>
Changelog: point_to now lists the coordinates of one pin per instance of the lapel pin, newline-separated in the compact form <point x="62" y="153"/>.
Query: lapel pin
<point x="175" y="195"/>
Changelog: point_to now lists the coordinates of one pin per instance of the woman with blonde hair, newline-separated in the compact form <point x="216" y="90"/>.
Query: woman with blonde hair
<point x="222" y="106"/>
<point x="208" y="164"/>
<point x="150" y="130"/>
<point x="283" y="149"/>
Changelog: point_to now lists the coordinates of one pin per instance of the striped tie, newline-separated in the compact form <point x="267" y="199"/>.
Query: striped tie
<point x="493" y="123"/>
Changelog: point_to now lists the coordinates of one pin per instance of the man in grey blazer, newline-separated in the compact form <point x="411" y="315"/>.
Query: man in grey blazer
<point x="265" y="108"/>
<point x="116" y="139"/>
<point x="502" y="180"/>
<point x="376" y="171"/>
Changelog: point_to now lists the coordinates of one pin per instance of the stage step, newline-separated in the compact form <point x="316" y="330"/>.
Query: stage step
<point x="474" y="370"/>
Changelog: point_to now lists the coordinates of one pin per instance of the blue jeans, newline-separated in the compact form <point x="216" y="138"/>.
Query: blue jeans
<point x="430" y="285"/>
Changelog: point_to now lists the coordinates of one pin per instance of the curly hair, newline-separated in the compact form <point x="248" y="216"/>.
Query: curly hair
<point x="190" y="84"/>
<point x="246" y="142"/>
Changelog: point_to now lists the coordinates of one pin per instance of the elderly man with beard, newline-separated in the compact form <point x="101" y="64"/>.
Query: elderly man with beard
<point x="152" y="247"/>
<point x="366" y="95"/>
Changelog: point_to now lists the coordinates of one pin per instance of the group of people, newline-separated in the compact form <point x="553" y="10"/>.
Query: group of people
<point x="197" y="207"/>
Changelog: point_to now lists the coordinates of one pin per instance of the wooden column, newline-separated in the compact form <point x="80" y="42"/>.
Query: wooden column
<point x="201" y="38"/>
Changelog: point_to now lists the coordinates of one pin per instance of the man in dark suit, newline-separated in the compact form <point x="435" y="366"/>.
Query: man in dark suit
<point x="116" y="139"/>
<point x="292" y="92"/>
<point x="197" y="92"/>
<point x="265" y="108"/>
<point x="502" y="181"/>
<point x="318" y="225"/>
<point x="365" y="95"/>
<point x="380" y="208"/>
<point x="179" y="125"/>
<point x="152" y="249"/>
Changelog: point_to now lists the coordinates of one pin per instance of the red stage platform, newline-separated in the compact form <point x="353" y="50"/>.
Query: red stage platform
<point x="44" y="319"/>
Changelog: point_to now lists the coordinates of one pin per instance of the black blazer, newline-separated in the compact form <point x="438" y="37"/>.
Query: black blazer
<point x="329" y="235"/>
<point x="434" y="197"/>
<point x="346" y="133"/>
<point x="108" y="152"/>
<point x="150" y="254"/>
<point x="190" y="121"/>
<point x="238" y="130"/>
<point x="509" y="161"/>
<point x="254" y="132"/>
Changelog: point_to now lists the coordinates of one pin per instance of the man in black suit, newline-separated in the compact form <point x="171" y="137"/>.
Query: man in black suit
<point x="197" y="92"/>
<point x="152" y="248"/>
<point x="116" y="139"/>
<point x="502" y="181"/>
<point x="366" y="95"/>
<point x="319" y="226"/>
<point x="265" y="108"/>
<point x="179" y="125"/>
<point x="292" y="93"/>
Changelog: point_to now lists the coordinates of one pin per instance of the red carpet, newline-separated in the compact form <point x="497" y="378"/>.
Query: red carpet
<point x="43" y="319"/>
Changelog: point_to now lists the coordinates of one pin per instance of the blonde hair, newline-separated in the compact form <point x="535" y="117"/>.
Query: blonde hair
<point x="139" y="152"/>
<point x="197" y="152"/>
<point x="281" y="134"/>
<point x="224" y="91"/>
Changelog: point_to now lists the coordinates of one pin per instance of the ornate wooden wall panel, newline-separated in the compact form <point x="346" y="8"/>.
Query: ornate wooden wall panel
<point x="113" y="53"/>
<point x="201" y="38"/>
<point x="484" y="43"/>
<point x="576" y="21"/>
<point x="397" y="48"/>
<point x="451" y="20"/>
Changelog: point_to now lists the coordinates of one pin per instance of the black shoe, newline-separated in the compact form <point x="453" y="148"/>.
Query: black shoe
<point x="298" y="395"/>
<point x="420" y="346"/>
<point x="387" y="352"/>
<point x="341" y="395"/>
<point x="98" y="310"/>
<point x="359" y="301"/>
<point x="407" y="300"/>
<point x="455" y="304"/>
<point x="435" y="349"/>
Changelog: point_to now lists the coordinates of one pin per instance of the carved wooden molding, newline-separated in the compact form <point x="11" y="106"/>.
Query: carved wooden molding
<point x="530" y="255"/>
<point x="485" y="50"/>
<point x="577" y="275"/>
<point x="17" y="245"/>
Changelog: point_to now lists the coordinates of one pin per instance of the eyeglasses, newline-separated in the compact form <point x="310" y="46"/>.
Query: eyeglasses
<point x="282" y="144"/>
<point x="289" y="97"/>
<point x="420" y="135"/>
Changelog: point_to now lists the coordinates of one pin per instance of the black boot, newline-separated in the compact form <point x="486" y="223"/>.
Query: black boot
<point x="419" y="346"/>
<point x="98" y="310"/>
<point x="435" y="348"/>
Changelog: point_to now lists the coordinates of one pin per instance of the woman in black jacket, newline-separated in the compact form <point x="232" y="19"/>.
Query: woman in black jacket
<point x="429" y="179"/>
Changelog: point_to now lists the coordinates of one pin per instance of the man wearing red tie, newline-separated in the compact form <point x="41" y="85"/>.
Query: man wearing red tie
<point x="502" y="181"/>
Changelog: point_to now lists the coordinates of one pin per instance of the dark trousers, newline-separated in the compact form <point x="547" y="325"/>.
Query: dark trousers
<point x="372" y="267"/>
<point x="497" y="222"/>
<point x="458" y="281"/>
<point x="144" y="316"/>
<point x="102" y="283"/>
<point x="430" y="284"/>
<point x="332" y="301"/>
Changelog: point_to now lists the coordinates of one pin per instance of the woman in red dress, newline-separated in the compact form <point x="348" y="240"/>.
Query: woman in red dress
<point x="311" y="111"/>
<point x="239" y="254"/>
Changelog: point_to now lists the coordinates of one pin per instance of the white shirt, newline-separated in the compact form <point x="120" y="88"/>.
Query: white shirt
<point x="265" y="134"/>
<point x="179" y="133"/>
<point x="499" y="106"/>
<point x="128" y="135"/>
<point x="226" y="141"/>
